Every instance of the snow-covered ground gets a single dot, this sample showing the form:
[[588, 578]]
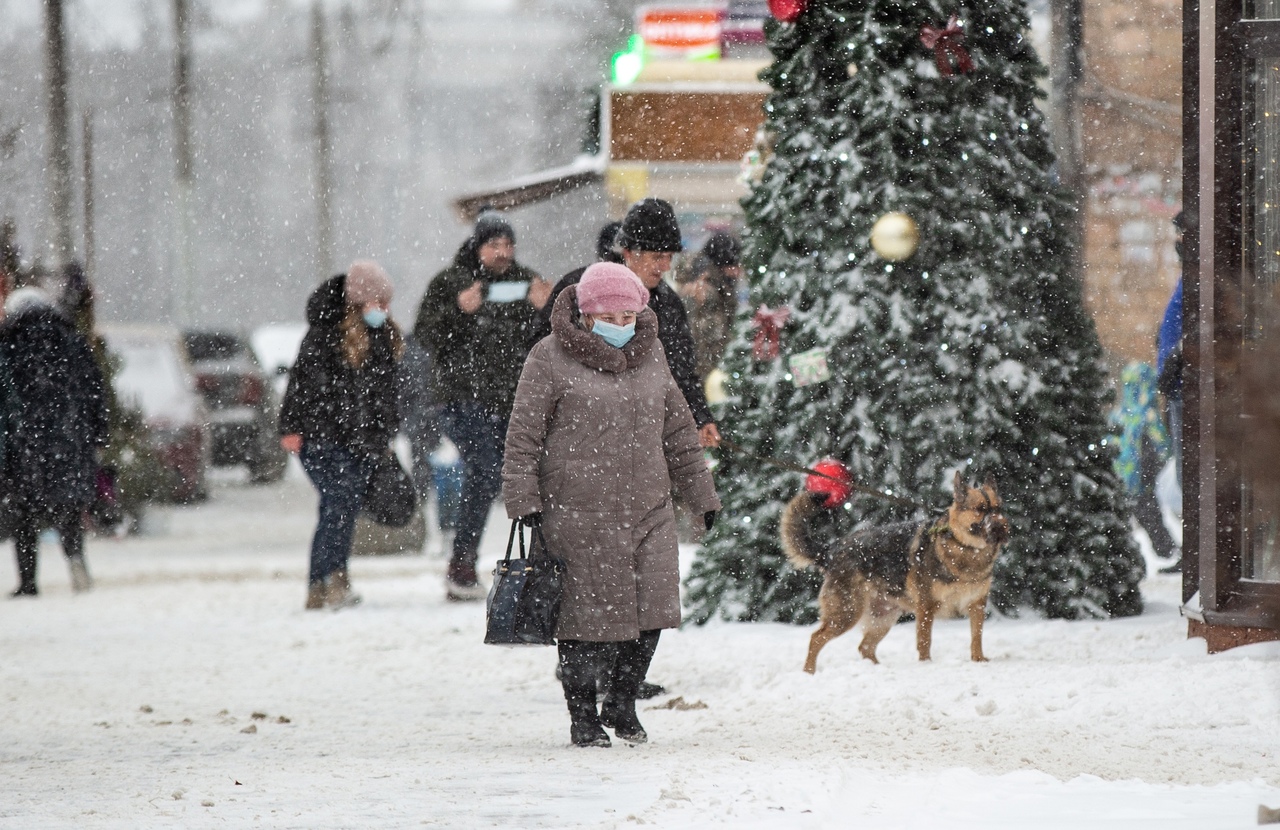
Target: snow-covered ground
[[189, 689]]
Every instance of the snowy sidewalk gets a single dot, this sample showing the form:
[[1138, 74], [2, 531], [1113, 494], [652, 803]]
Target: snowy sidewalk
[[189, 689]]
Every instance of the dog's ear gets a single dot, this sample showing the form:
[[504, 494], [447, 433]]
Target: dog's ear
[[990, 483], [958, 487]]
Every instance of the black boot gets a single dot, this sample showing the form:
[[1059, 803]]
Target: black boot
[[579, 665], [619, 709], [25, 544], [647, 690]]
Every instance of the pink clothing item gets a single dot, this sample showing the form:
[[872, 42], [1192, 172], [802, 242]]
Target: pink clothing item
[[368, 283], [607, 287]]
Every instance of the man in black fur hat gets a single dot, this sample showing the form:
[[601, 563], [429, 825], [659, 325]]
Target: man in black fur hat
[[646, 240], [476, 319]]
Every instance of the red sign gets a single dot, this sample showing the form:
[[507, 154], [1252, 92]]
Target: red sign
[[680, 29]]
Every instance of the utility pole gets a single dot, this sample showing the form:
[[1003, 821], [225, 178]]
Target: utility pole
[[59, 139], [1066, 70], [323, 173], [183, 288], [89, 246]]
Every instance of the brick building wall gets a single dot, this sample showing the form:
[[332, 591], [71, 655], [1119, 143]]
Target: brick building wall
[[1131, 129]]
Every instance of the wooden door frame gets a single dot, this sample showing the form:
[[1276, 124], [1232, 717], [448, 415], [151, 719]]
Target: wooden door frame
[[1217, 42]]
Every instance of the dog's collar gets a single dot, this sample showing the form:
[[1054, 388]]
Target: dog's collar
[[942, 527]]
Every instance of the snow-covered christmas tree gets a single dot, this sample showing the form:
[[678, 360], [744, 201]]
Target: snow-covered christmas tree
[[957, 341]]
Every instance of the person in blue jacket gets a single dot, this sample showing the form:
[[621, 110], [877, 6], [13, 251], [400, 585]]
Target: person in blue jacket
[[1169, 358]]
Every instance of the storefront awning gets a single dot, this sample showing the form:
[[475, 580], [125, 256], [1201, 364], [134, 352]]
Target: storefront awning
[[535, 187]]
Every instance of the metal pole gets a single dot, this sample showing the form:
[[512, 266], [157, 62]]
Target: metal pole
[[323, 160], [59, 140], [89, 246], [1067, 71], [183, 288]]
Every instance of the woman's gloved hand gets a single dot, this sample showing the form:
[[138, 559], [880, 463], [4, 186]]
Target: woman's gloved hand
[[533, 519], [709, 518]]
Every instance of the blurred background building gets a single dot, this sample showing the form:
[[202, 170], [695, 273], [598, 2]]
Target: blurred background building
[[428, 99], [435, 107]]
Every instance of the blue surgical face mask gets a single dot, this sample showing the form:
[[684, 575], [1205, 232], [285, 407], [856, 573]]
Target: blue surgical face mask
[[374, 318], [616, 336]]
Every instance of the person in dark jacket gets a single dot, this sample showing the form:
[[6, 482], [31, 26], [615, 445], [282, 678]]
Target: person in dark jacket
[[607, 250], [341, 411], [58, 425], [647, 238], [476, 318], [711, 298]]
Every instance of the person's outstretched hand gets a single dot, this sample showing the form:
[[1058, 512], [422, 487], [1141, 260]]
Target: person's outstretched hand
[[539, 292], [472, 298]]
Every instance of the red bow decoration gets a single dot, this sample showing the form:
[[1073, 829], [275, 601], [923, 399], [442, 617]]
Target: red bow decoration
[[788, 11], [768, 324], [945, 44]]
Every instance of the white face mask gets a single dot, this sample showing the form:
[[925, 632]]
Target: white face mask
[[616, 336]]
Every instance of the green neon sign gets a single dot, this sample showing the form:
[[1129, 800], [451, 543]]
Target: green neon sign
[[627, 64]]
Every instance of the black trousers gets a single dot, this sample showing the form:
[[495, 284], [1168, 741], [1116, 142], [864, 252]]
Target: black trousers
[[618, 667], [26, 537], [1146, 508]]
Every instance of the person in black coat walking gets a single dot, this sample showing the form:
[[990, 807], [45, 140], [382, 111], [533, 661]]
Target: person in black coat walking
[[340, 413], [646, 239], [58, 423], [476, 319]]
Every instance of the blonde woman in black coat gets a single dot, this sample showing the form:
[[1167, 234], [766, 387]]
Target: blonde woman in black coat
[[340, 413]]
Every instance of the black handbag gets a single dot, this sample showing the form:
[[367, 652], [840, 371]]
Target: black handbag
[[524, 602], [390, 497]]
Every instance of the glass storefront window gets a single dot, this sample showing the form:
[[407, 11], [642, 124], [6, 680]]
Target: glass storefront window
[[1259, 308], [1262, 9]]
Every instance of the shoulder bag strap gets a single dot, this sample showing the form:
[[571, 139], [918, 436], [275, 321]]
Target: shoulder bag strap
[[515, 528], [536, 541]]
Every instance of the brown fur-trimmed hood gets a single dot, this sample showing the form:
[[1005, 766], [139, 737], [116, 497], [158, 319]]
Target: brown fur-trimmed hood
[[589, 349]]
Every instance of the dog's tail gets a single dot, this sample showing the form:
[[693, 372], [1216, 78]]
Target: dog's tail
[[795, 527]]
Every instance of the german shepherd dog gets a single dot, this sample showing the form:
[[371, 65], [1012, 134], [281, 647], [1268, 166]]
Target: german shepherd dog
[[924, 567]]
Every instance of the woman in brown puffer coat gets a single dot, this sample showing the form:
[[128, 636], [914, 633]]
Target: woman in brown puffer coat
[[599, 435]]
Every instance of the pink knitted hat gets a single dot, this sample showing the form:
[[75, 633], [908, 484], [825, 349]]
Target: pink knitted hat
[[367, 283], [608, 287]]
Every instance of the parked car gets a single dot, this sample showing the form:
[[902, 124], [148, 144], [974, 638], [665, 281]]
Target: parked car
[[154, 375], [276, 345], [242, 402]]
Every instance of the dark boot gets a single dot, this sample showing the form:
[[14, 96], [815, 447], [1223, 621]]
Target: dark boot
[[647, 690], [618, 712], [26, 545], [461, 584], [578, 668]]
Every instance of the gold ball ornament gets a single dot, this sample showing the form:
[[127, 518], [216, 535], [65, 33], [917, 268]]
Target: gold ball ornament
[[895, 236]]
